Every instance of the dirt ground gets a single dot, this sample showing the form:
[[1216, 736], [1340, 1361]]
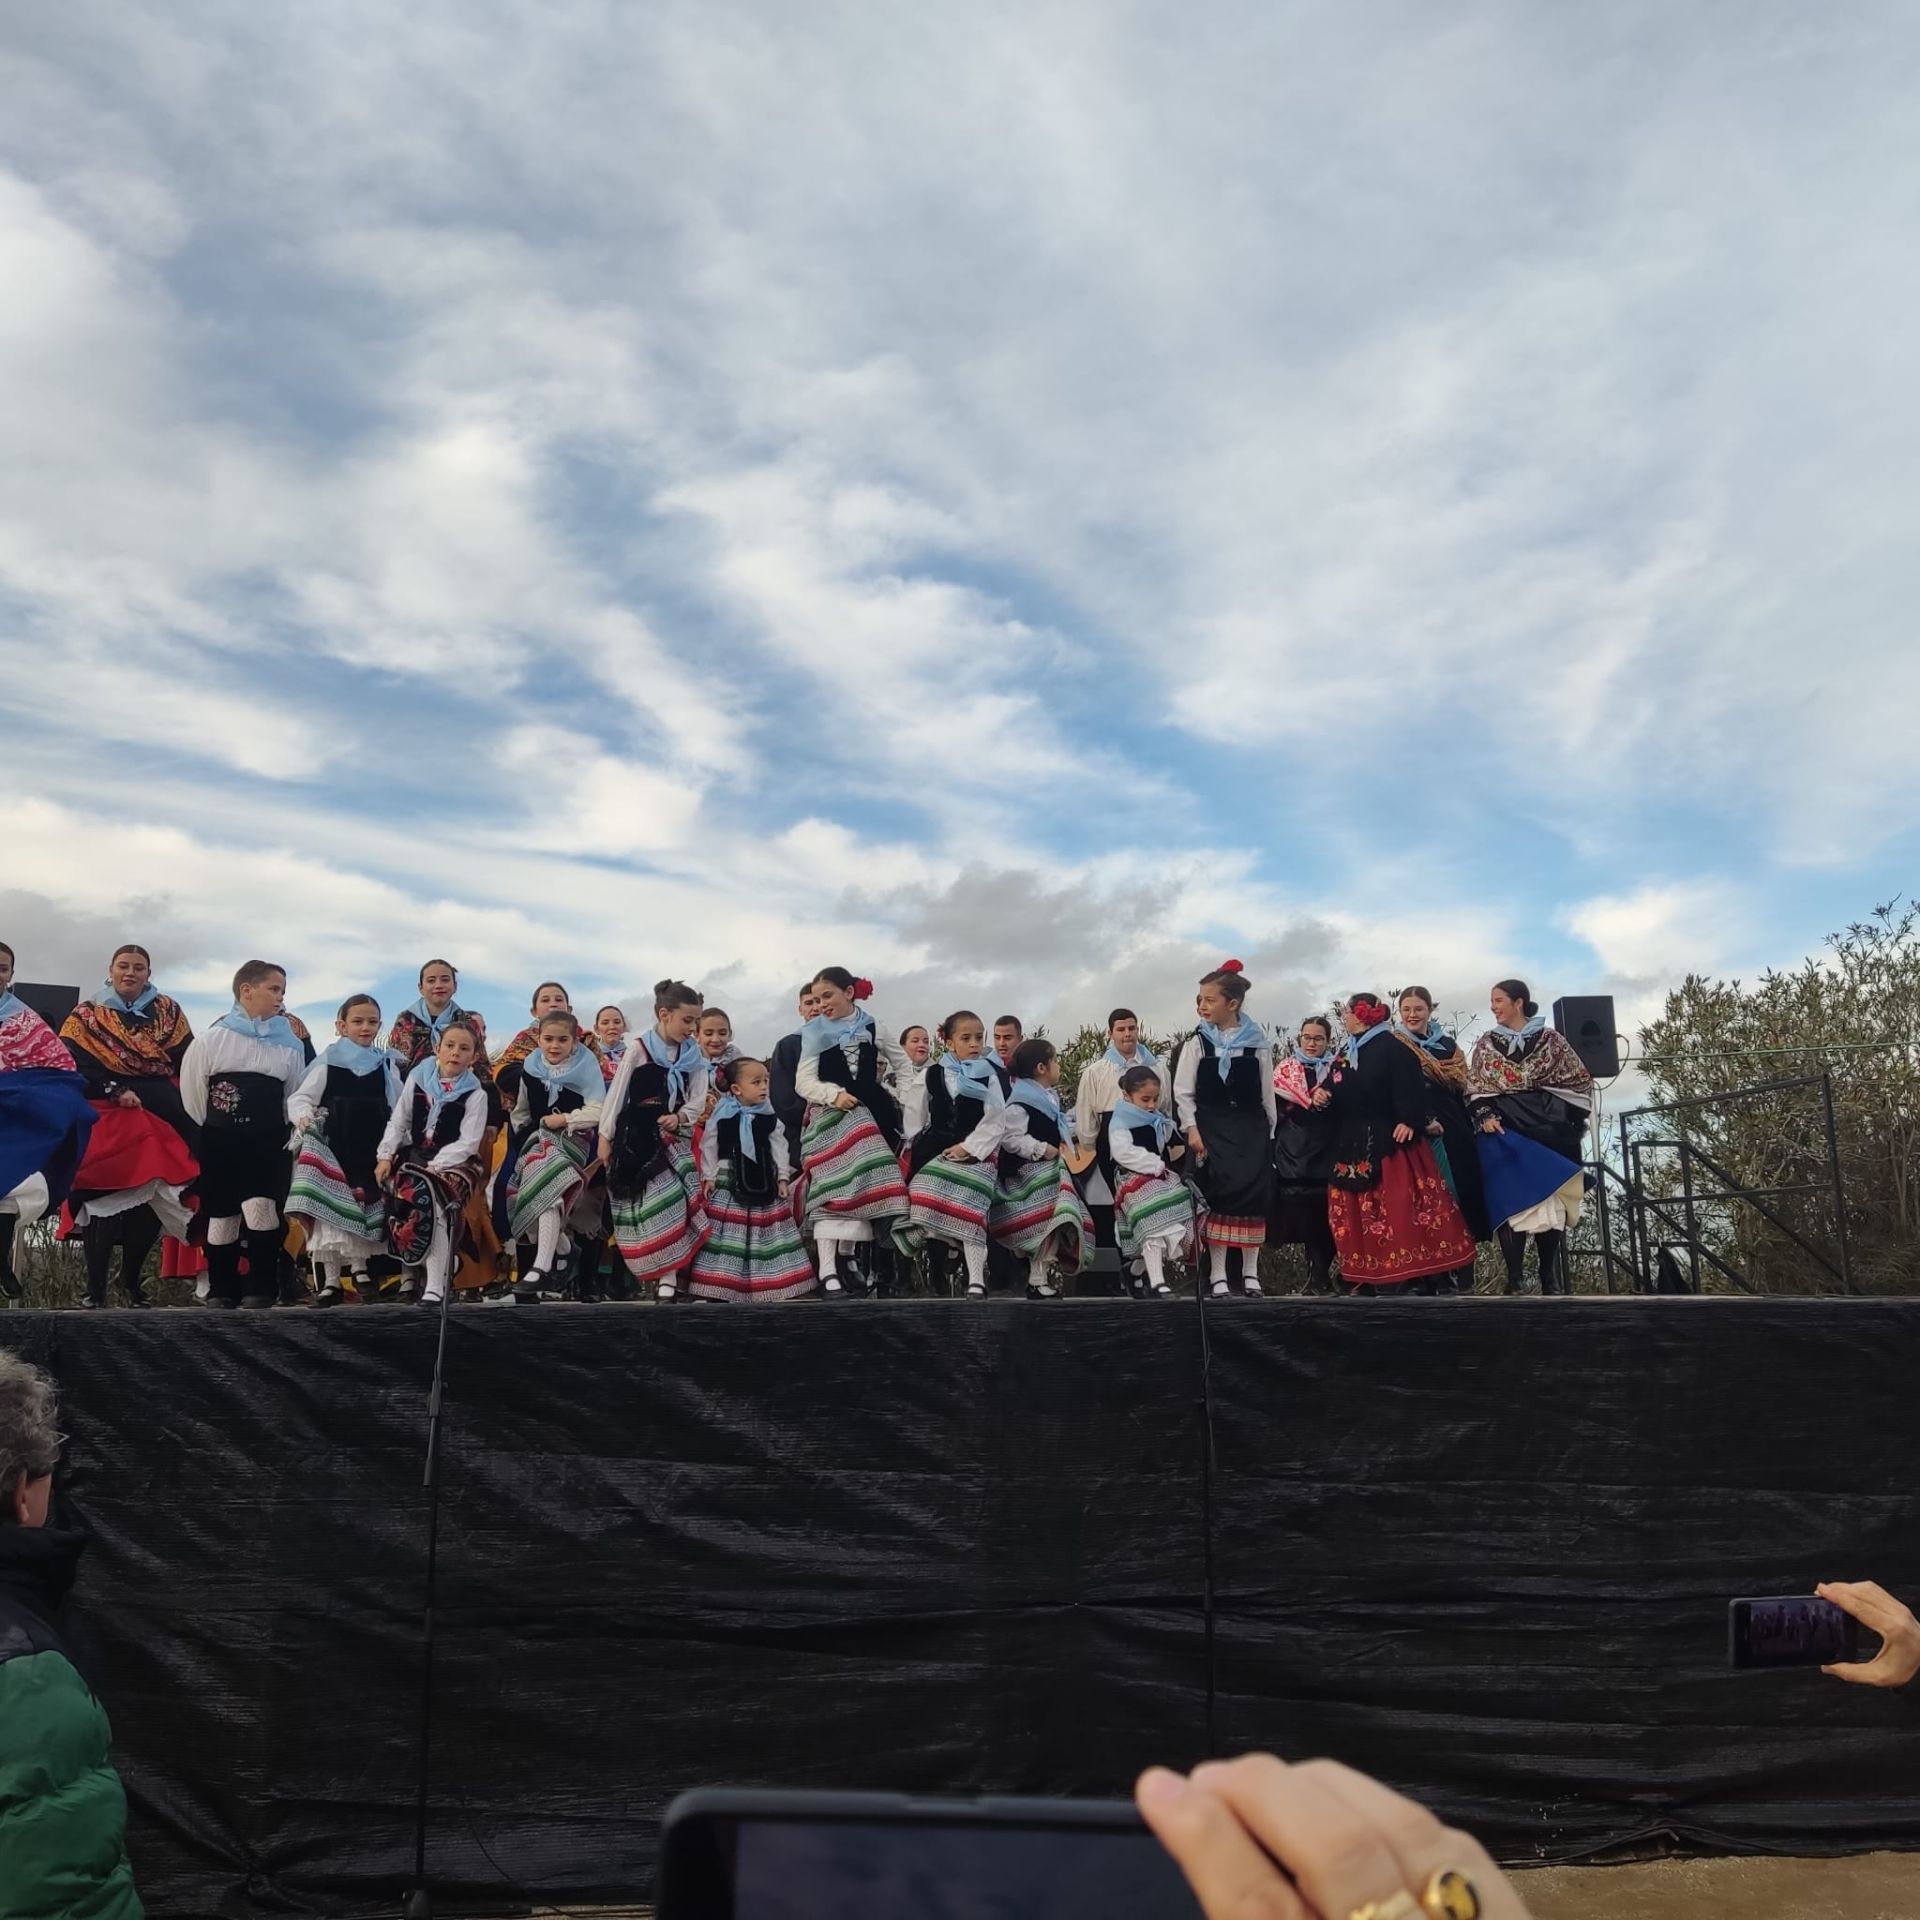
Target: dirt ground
[[1867, 1886]]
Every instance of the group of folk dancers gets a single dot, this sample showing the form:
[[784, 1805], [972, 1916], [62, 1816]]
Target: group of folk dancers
[[404, 1169]]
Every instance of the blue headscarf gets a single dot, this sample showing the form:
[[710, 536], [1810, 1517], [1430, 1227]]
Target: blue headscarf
[[1511, 1041], [11, 1003], [1126, 1114], [436, 1023], [1244, 1038], [109, 997], [821, 1035], [425, 1078], [1141, 1058], [364, 1060], [728, 1107], [276, 1029], [681, 1062], [1038, 1099], [973, 1079], [580, 1071]]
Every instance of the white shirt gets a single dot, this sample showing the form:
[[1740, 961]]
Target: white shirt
[[779, 1149], [892, 1066], [305, 1100], [912, 1095], [1099, 1092], [464, 1145], [984, 1141], [1192, 1053], [584, 1118], [1015, 1137], [220, 1051], [1131, 1156], [693, 1104]]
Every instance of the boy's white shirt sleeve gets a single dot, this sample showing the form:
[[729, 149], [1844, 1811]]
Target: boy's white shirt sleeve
[[194, 1069], [304, 1101], [1183, 1068], [1086, 1111]]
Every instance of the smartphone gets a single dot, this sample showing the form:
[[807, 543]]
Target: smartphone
[[737, 1854], [1790, 1630]]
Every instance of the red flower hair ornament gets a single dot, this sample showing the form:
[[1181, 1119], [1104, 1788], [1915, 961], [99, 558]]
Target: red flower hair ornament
[[863, 989], [1367, 1010], [1230, 966]]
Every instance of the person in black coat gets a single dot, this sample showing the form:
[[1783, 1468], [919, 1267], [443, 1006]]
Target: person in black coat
[[782, 1064], [1303, 1151]]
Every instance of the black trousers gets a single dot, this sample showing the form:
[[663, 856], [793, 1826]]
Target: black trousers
[[136, 1233]]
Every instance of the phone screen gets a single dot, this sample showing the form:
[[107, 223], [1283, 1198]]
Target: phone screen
[[1792, 1631], [801, 1870]]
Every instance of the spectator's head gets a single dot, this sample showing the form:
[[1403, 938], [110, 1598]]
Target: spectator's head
[[29, 1444]]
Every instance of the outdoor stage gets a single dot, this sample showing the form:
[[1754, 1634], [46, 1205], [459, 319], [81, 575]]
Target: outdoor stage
[[1482, 1548]]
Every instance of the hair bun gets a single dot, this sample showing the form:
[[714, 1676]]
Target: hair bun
[[863, 989], [1230, 966]]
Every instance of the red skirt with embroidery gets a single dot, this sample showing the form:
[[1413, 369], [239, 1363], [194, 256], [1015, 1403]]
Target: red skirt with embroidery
[[1405, 1227]]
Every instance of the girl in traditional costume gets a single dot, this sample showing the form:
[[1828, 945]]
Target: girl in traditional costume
[[755, 1251], [610, 1036], [1303, 1150], [341, 1109], [45, 1120], [1223, 1099], [1153, 1206], [1450, 1126], [850, 1146], [128, 1041], [1038, 1213], [548, 997], [235, 1083], [415, 1033], [1530, 1097], [952, 1162], [1096, 1097], [1394, 1219], [646, 1127], [553, 1150], [429, 1165], [917, 1044]]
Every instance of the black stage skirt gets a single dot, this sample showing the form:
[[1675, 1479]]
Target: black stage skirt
[[1236, 1177]]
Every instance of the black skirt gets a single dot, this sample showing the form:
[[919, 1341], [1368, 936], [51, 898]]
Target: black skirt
[[1236, 1177]]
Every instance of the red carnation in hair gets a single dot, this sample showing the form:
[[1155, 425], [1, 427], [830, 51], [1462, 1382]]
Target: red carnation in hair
[[1230, 966], [863, 989]]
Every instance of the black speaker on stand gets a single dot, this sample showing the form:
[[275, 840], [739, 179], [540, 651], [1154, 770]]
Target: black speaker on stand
[[1586, 1020], [52, 1004]]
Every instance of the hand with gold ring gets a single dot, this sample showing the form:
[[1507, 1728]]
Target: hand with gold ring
[[1261, 1840]]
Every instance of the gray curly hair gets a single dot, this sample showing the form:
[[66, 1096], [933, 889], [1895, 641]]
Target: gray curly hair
[[29, 1444]]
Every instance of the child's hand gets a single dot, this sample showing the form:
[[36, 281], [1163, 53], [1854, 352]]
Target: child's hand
[[786, 1189], [381, 1169], [1195, 1145], [1052, 1153], [845, 1101], [669, 1123], [956, 1153], [554, 1122], [606, 1150], [1321, 1097]]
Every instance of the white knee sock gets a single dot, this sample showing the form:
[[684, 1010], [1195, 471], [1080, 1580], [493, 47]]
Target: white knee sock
[[547, 1240], [439, 1260], [1154, 1253], [976, 1256], [326, 1273], [1037, 1270], [1218, 1262]]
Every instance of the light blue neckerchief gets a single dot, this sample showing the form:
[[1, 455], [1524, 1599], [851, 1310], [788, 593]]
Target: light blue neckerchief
[[1038, 1099], [1244, 1038], [435, 1023], [1317, 1064], [1511, 1041], [109, 998], [821, 1035], [363, 1061], [1429, 1042], [1141, 1058], [10, 1004], [425, 1078], [1355, 1041], [1126, 1114], [680, 1063], [973, 1079], [728, 1107], [580, 1071], [276, 1030]]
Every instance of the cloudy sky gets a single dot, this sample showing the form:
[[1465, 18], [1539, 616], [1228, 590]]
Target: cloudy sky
[[1020, 500]]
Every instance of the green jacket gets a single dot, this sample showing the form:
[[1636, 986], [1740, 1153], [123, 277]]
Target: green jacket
[[63, 1813]]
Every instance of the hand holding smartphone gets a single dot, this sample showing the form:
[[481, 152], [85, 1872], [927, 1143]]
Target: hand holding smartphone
[[1790, 1630]]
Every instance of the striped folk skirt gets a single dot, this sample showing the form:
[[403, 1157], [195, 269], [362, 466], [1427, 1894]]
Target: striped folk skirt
[[1038, 1204], [850, 1171], [949, 1200], [550, 1171], [659, 1229], [1151, 1206], [340, 1222], [754, 1251]]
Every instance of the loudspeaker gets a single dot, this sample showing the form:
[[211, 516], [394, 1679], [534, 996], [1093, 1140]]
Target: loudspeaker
[[1587, 1021], [52, 1004]]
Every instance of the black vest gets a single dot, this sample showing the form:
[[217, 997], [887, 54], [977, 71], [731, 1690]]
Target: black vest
[[1147, 1139], [752, 1179], [250, 1104], [446, 1129], [356, 1105], [862, 1080], [1240, 1091], [949, 1121], [1041, 1127]]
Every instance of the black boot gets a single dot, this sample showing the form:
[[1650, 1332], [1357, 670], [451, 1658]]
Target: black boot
[[137, 1242], [223, 1275], [940, 1257], [98, 1238], [9, 1280], [1553, 1262], [1513, 1250], [1319, 1269]]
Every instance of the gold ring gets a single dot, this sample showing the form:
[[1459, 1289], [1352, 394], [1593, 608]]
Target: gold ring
[[1450, 1895], [1400, 1905]]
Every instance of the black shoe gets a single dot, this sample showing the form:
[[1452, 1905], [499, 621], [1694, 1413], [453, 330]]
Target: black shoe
[[330, 1295], [1042, 1290], [10, 1284], [91, 1305], [257, 1302], [218, 1302], [527, 1292]]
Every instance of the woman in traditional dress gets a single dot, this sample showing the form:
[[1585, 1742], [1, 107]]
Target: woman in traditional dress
[[1096, 1096], [45, 1120], [610, 1036], [341, 1109], [548, 997], [850, 1146], [1394, 1219], [755, 1251], [1449, 1126], [1038, 1213], [553, 1152], [951, 1166], [646, 1131], [128, 1041], [430, 1167], [1153, 1206], [1303, 1150], [1223, 1098], [1530, 1098]]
